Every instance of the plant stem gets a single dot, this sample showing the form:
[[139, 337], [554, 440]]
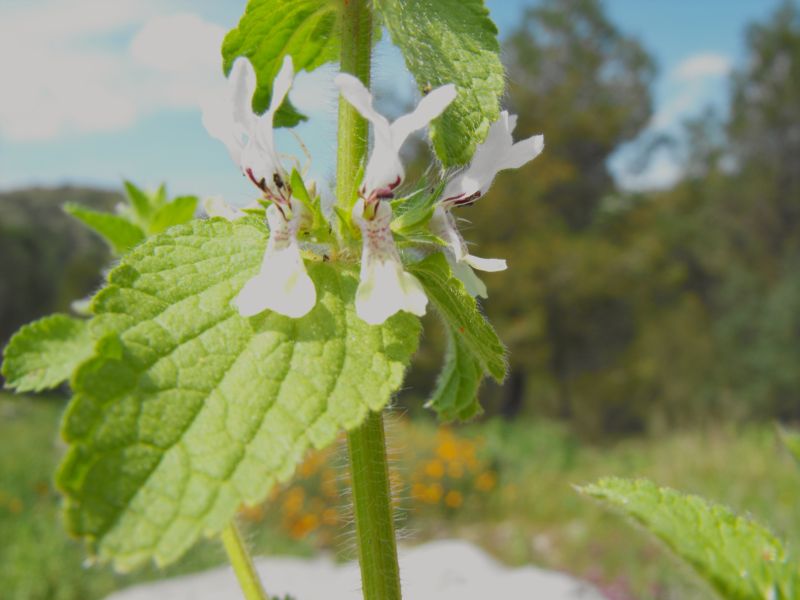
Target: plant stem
[[356, 56], [372, 498], [242, 563], [372, 504]]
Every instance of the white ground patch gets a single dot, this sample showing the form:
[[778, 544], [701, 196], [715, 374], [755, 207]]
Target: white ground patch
[[441, 570]]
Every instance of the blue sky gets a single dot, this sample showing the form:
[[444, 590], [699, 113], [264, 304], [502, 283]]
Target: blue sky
[[96, 91]]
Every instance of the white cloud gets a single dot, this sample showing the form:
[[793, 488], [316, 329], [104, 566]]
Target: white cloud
[[701, 66], [677, 107], [691, 84], [661, 173], [176, 61], [76, 74], [178, 42]]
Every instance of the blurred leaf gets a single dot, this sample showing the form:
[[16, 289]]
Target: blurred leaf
[[451, 41], [741, 559], [43, 354], [308, 30], [791, 441], [460, 312], [142, 204], [120, 233], [188, 410], [160, 197], [456, 393], [179, 210]]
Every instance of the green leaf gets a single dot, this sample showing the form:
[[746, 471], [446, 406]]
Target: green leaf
[[308, 30], [188, 410], [43, 354], [413, 213], [143, 205], [179, 210], [741, 559], [456, 393], [791, 441], [120, 233], [417, 238], [300, 192], [460, 46], [159, 199], [460, 312]]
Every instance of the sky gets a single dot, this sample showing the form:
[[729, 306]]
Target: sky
[[94, 92]]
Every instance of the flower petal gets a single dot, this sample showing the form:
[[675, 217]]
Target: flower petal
[[497, 153], [472, 283], [443, 225], [429, 107], [264, 128], [282, 285], [281, 84], [219, 124], [217, 207], [385, 287], [360, 97], [489, 265], [384, 167], [461, 261], [523, 152], [242, 83]]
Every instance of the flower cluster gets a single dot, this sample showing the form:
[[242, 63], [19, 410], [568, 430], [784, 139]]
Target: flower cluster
[[441, 473], [283, 284], [452, 475]]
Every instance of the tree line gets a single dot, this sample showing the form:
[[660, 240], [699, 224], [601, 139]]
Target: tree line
[[623, 312]]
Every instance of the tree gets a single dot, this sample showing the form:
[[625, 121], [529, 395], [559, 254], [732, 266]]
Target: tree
[[561, 307]]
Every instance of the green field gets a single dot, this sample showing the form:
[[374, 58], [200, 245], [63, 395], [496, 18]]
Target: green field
[[508, 487]]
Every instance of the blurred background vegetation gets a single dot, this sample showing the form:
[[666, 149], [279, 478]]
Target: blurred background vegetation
[[631, 312], [653, 333]]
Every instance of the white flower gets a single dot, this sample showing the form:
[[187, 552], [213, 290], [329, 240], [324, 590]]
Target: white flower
[[384, 171], [497, 153], [282, 285], [385, 287], [249, 137], [443, 225]]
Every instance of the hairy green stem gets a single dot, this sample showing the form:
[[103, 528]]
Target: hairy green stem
[[355, 59], [242, 563], [372, 504], [372, 498]]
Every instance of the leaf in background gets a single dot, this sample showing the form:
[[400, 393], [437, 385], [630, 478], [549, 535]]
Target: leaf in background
[[120, 233], [460, 312], [143, 205], [43, 354], [159, 199], [189, 410], [456, 393], [176, 212], [451, 41], [308, 30], [791, 441], [741, 559]]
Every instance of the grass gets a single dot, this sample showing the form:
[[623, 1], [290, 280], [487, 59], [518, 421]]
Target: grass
[[506, 486]]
